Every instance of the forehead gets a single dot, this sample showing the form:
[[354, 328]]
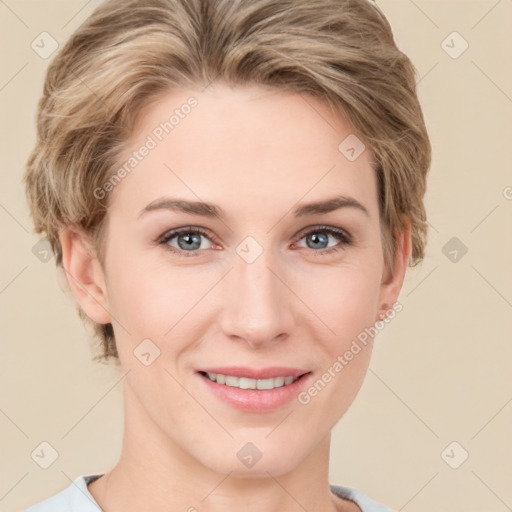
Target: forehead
[[240, 147]]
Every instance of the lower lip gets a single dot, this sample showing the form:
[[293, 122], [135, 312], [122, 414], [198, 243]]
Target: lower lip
[[252, 400]]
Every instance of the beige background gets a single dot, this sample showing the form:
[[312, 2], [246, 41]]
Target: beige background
[[440, 371]]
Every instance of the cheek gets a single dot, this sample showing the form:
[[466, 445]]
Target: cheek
[[345, 300], [350, 350], [154, 300], [348, 309]]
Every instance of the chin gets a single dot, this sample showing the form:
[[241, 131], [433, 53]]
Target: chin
[[276, 466], [255, 459]]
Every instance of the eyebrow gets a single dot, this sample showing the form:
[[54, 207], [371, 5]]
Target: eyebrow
[[212, 210]]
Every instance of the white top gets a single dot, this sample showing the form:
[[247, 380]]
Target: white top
[[77, 498]]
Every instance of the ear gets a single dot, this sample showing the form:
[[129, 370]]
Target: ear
[[84, 273], [392, 279]]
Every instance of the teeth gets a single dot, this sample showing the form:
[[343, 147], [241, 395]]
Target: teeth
[[247, 383], [232, 381], [244, 383], [265, 384]]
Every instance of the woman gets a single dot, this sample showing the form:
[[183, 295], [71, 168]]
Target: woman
[[234, 191]]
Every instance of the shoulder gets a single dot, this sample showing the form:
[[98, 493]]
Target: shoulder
[[364, 502], [74, 498]]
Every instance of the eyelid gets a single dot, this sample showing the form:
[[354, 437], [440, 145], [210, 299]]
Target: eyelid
[[171, 233], [341, 233]]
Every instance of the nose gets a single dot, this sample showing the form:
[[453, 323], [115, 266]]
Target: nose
[[256, 303]]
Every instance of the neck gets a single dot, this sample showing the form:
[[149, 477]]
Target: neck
[[155, 473]]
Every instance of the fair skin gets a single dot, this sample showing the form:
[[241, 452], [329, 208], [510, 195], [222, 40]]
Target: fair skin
[[257, 154]]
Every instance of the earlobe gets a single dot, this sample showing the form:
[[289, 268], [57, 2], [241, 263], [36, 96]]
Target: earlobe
[[84, 273], [393, 281]]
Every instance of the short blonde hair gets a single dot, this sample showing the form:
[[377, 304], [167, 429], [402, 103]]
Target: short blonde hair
[[129, 53]]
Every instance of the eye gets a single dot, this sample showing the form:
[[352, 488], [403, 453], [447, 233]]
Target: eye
[[188, 240], [318, 238]]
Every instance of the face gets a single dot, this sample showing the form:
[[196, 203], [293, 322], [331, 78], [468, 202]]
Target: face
[[262, 283]]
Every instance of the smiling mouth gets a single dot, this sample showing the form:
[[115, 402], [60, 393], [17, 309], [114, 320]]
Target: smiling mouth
[[253, 384]]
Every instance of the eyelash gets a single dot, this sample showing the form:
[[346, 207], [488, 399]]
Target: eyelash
[[344, 237]]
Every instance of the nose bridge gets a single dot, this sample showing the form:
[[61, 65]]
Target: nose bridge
[[257, 304]]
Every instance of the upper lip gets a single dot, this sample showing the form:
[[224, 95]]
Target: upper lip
[[256, 373]]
